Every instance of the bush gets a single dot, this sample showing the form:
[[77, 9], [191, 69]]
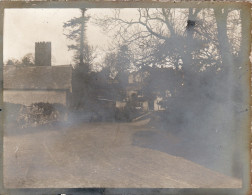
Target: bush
[[40, 114]]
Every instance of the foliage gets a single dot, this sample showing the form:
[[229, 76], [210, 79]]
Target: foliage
[[84, 58], [75, 31], [166, 41], [40, 114], [12, 62], [26, 60], [161, 36]]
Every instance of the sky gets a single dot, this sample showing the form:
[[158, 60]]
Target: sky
[[24, 27]]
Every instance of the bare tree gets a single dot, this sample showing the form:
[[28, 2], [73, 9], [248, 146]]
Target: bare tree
[[189, 52], [12, 61], [162, 36], [27, 60]]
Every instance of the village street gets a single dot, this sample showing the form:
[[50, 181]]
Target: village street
[[100, 155]]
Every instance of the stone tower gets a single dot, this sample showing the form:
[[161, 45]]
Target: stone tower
[[43, 53]]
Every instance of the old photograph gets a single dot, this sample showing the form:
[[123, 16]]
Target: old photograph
[[126, 97]]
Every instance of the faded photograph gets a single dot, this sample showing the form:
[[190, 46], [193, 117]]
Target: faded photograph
[[125, 98]]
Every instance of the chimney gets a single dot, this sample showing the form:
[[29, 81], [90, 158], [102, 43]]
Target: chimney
[[43, 53]]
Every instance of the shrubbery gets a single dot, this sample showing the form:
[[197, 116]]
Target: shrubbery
[[40, 114]]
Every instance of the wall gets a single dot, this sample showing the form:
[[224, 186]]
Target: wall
[[43, 53], [120, 104], [145, 106], [156, 105], [27, 97]]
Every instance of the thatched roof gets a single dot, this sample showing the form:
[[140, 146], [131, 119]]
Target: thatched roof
[[37, 77]]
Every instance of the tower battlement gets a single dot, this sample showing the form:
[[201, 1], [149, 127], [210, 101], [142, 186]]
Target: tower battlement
[[43, 53]]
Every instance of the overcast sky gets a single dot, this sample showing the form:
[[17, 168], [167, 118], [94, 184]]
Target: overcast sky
[[24, 27]]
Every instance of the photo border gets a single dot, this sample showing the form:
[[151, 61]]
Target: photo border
[[119, 4]]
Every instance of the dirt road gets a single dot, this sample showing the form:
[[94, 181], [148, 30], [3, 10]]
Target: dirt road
[[99, 155]]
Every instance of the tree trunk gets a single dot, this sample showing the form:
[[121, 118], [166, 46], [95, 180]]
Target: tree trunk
[[82, 36]]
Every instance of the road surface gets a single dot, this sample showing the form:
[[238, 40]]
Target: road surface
[[99, 155]]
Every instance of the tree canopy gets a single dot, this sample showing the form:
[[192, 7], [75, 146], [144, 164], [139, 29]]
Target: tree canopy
[[75, 31]]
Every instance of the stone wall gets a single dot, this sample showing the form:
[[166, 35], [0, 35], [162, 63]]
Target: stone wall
[[43, 53]]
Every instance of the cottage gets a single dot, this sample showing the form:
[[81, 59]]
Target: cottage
[[134, 90], [32, 84], [38, 83]]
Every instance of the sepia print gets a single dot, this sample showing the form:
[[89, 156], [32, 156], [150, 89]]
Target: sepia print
[[151, 97]]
